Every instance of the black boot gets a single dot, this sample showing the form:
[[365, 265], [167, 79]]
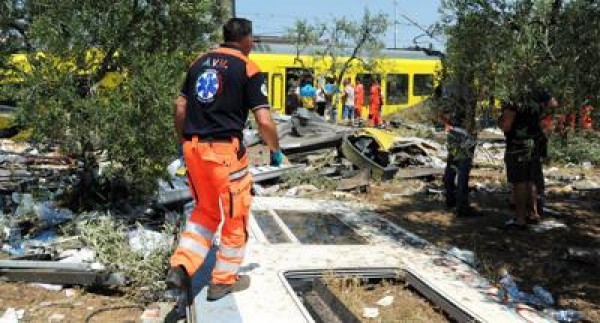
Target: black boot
[[178, 283], [218, 291]]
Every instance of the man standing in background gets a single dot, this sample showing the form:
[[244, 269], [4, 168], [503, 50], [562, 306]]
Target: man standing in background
[[359, 99], [348, 101], [376, 103]]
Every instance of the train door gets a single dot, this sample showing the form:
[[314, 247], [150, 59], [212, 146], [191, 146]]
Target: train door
[[295, 77], [367, 81]]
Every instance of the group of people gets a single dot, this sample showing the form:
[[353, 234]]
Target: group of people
[[322, 100], [526, 146]]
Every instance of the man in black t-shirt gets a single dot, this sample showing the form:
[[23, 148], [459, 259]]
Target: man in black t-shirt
[[221, 88], [525, 147]]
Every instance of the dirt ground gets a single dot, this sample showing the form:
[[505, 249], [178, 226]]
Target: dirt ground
[[40, 304], [532, 258], [414, 308]]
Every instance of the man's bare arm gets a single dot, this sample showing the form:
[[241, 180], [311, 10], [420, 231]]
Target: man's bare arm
[[267, 128], [179, 113], [507, 120]]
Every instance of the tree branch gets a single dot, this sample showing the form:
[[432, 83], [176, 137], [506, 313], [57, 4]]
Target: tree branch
[[103, 68]]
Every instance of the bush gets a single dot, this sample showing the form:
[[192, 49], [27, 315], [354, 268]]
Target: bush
[[574, 149], [145, 48]]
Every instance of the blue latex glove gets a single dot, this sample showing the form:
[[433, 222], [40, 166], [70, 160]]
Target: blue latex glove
[[276, 158], [180, 149]]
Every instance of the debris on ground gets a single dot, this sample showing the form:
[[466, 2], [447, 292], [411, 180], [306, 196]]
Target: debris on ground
[[509, 293], [359, 182], [584, 255], [12, 315], [370, 312], [113, 249], [147, 241], [466, 256], [386, 301], [565, 316], [384, 153], [547, 225], [22, 167], [306, 132], [301, 190]]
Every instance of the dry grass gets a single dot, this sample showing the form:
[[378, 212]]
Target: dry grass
[[145, 274], [296, 178], [408, 306]]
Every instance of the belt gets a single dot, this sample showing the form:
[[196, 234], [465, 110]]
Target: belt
[[210, 139]]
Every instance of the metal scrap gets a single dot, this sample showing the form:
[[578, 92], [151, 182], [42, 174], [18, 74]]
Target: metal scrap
[[385, 153]]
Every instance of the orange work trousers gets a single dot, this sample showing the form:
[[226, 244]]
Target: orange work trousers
[[221, 186], [374, 116]]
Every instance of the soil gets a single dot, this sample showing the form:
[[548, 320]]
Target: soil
[[40, 304], [532, 258], [407, 305]]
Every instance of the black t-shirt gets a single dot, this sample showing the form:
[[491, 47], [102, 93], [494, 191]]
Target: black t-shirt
[[221, 87], [526, 128]]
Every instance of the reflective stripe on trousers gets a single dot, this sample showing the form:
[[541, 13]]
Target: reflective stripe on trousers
[[222, 183]]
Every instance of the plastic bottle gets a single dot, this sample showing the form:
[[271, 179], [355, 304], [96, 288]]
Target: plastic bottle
[[543, 295], [508, 291], [565, 316]]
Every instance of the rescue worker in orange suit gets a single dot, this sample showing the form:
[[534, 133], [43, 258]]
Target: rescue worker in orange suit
[[221, 88], [376, 102], [359, 99]]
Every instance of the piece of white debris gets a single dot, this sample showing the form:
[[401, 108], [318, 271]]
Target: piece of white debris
[[386, 301], [56, 317], [548, 225], [51, 287], [370, 312], [12, 315], [70, 292]]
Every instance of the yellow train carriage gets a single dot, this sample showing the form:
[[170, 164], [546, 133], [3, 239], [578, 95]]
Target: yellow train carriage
[[406, 77], [19, 64]]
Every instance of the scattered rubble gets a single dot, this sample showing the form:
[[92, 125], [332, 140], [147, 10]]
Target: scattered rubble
[[386, 301], [301, 190], [328, 159], [584, 255], [385, 153], [12, 315], [370, 312], [549, 224]]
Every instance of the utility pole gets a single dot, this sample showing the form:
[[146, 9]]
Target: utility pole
[[395, 23], [233, 8]]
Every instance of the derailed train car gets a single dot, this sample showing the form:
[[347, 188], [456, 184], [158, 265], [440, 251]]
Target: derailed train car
[[407, 77]]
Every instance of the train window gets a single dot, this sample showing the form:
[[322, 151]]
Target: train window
[[423, 84], [367, 81], [397, 89]]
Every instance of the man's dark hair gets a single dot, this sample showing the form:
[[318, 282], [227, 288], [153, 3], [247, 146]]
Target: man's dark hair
[[236, 29], [542, 96]]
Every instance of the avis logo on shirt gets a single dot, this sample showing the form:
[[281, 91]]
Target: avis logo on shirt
[[208, 86]]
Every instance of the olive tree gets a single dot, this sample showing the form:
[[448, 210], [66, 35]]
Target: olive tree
[[341, 42], [124, 124]]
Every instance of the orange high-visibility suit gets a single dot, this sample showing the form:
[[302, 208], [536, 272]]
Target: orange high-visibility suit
[[359, 99], [375, 108], [585, 117], [221, 88]]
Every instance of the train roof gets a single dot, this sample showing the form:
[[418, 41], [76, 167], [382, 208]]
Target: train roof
[[289, 49]]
